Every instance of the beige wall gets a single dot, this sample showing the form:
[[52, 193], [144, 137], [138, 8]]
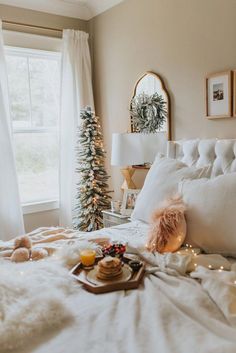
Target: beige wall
[[41, 219], [182, 40], [37, 18]]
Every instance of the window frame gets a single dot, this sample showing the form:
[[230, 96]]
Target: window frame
[[44, 205]]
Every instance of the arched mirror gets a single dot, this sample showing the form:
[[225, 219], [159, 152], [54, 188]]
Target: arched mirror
[[150, 106]]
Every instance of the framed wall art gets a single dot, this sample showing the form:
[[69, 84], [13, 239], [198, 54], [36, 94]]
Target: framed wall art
[[219, 95]]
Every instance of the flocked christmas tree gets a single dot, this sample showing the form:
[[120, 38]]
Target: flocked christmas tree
[[92, 196]]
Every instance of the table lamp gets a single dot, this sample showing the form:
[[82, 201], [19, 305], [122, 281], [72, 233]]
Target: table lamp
[[132, 149]]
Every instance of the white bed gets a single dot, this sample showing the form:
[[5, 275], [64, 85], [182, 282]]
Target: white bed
[[169, 313], [219, 153]]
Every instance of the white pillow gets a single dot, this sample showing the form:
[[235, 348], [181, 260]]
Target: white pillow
[[161, 183], [210, 215]]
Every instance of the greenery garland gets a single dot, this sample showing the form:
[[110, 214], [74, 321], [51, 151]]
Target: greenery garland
[[148, 112]]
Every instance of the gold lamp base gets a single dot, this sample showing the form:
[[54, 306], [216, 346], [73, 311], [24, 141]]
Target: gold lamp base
[[128, 182]]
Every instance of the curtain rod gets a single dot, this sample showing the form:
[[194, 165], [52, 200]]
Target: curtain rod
[[31, 26]]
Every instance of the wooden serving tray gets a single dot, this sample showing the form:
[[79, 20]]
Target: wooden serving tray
[[80, 275]]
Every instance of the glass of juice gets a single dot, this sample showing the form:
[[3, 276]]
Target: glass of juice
[[87, 258]]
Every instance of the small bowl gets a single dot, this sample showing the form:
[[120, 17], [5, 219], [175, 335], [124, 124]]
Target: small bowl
[[135, 265]]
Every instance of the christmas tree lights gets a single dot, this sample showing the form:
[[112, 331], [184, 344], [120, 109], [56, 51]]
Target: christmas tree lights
[[92, 196]]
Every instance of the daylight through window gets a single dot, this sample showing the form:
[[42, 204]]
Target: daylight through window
[[34, 90]]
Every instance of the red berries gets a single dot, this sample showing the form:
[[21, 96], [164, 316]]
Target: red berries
[[115, 250]]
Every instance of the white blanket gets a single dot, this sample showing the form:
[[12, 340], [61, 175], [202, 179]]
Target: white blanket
[[32, 301], [221, 288], [169, 313]]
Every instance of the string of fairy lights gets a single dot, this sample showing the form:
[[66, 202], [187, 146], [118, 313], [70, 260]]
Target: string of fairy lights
[[188, 249]]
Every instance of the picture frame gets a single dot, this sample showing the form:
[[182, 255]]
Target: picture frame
[[218, 91], [129, 200]]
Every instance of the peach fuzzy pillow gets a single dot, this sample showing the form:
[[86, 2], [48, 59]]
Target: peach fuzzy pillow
[[167, 227]]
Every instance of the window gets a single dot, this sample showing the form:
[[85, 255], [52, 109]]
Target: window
[[34, 91]]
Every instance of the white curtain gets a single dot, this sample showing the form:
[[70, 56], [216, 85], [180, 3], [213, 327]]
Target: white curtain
[[76, 94], [11, 219]]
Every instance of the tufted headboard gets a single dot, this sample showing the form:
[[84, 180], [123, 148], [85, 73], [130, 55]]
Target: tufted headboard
[[221, 154]]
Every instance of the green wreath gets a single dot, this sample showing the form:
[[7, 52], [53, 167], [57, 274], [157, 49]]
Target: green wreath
[[148, 113]]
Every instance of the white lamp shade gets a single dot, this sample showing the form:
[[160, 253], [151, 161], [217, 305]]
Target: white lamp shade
[[136, 148]]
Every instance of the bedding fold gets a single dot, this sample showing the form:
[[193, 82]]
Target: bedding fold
[[221, 288]]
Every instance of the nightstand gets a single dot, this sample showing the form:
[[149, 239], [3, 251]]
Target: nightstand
[[111, 219]]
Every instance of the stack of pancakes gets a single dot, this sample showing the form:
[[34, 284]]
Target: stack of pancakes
[[109, 268]]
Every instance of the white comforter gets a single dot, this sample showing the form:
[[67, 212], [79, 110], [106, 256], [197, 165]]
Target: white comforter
[[169, 313]]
